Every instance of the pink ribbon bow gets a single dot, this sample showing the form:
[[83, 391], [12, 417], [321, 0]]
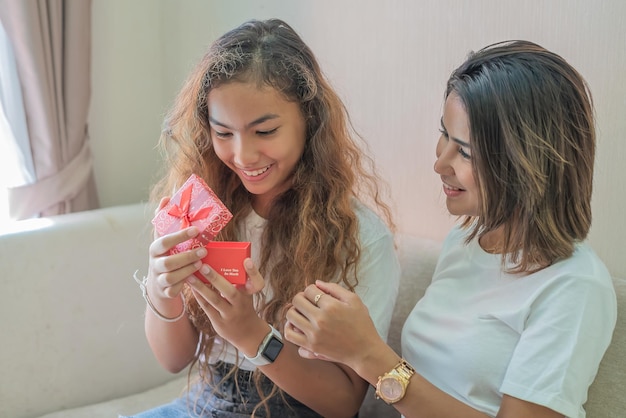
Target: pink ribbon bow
[[182, 210]]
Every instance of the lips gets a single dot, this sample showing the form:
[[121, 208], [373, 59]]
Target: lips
[[451, 188], [451, 191], [255, 173]]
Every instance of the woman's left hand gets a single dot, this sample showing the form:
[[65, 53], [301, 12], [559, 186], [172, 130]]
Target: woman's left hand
[[329, 322], [231, 310]]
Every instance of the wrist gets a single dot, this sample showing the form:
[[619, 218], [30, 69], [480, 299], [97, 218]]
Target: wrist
[[254, 339], [378, 358], [269, 348], [161, 300], [143, 285], [391, 386]]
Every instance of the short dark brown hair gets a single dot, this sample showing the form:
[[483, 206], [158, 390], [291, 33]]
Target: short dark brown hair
[[533, 138]]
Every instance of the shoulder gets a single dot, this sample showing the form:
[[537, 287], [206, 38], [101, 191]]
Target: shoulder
[[372, 228], [455, 238], [457, 233], [583, 262], [584, 268], [580, 283]]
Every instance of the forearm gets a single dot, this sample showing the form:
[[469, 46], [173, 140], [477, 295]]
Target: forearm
[[173, 343], [323, 386], [329, 389], [422, 399]]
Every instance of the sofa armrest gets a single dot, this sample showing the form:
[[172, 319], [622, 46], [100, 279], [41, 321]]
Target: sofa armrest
[[72, 315], [606, 394]]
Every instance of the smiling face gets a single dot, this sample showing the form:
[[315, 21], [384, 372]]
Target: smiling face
[[454, 163], [258, 134]]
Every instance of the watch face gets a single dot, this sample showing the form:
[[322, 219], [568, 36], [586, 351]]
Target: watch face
[[391, 389], [273, 347]]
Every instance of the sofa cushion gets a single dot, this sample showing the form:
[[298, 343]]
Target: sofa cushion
[[418, 257], [128, 405], [73, 312], [606, 394]]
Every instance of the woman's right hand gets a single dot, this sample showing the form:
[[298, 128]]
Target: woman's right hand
[[167, 272], [173, 342]]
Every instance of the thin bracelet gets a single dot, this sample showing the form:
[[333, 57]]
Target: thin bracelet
[[144, 291]]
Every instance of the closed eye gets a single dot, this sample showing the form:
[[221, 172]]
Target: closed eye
[[461, 150], [464, 154], [267, 133], [222, 135]]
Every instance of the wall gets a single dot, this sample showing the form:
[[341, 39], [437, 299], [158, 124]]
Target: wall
[[128, 97], [389, 61]]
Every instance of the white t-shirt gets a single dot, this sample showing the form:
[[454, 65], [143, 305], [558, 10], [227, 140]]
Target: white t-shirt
[[479, 333], [378, 274]]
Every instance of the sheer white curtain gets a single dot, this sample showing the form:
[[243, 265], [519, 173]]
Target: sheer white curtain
[[16, 163]]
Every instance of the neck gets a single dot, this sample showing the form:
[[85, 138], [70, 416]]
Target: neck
[[261, 205], [492, 241]]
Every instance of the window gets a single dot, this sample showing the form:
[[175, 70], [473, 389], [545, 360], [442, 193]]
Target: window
[[16, 165]]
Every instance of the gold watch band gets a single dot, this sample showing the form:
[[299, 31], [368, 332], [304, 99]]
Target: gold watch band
[[404, 369], [391, 386]]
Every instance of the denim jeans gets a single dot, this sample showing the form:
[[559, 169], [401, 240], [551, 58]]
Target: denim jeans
[[225, 401]]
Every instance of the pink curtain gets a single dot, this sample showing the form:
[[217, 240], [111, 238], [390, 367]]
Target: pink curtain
[[52, 45]]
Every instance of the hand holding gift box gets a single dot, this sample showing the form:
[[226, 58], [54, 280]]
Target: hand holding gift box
[[196, 204], [193, 204], [226, 258]]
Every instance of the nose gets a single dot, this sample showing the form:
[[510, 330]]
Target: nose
[[246, 153], [444, 153]]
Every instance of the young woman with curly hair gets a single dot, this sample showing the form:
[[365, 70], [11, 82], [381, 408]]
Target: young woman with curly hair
[[260, 124]]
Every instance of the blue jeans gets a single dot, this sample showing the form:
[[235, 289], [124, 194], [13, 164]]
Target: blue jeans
[[224, 401]]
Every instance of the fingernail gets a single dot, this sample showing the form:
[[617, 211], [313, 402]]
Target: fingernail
[[192, 232], [205, 269], [197, 264], [192, 280], [201, 252]]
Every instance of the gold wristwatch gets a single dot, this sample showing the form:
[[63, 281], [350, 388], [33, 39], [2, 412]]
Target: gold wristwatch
[[391, 386]]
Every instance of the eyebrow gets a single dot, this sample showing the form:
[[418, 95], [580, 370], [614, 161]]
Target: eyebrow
[[457, 140], [257, 121]]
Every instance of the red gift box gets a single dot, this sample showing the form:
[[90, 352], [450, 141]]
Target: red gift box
[[226, 258], [193, 204]]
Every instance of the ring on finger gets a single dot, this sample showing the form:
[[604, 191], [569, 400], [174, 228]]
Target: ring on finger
[[317, 299]]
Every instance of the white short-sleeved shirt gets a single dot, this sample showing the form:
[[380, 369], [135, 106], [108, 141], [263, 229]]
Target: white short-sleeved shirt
[[378, 274], [479, 333]]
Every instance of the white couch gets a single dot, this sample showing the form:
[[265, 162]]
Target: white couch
[[71, 320]]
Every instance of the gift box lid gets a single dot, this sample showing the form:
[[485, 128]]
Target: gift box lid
[[193, 204]]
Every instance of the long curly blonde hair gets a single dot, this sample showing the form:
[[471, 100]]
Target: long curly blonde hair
[[313, 224]]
